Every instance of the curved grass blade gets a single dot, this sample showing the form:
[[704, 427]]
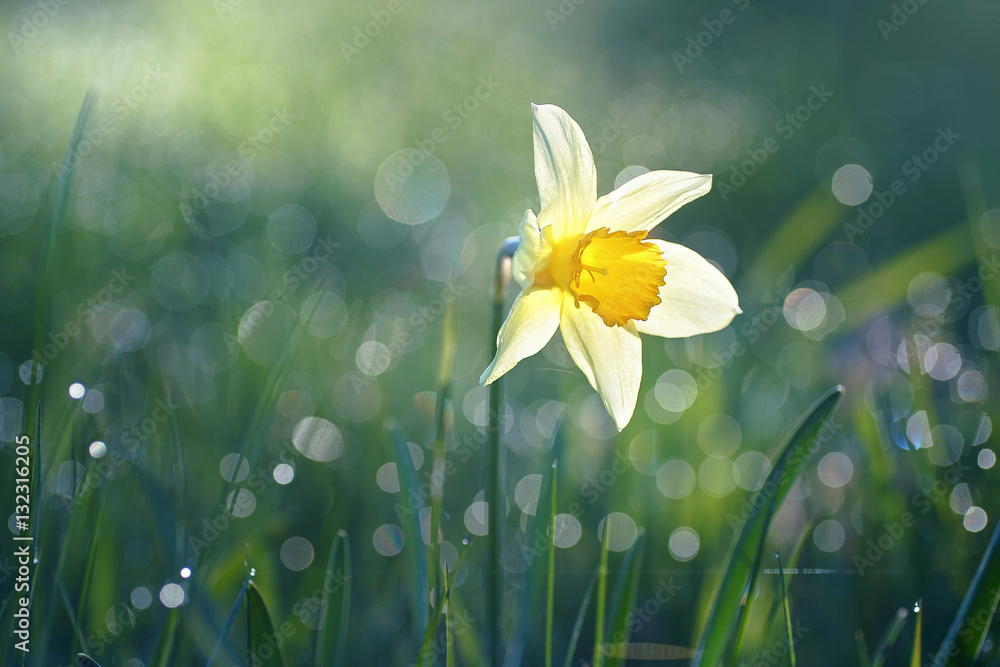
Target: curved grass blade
[[229, 621], [329, 652], [619, 630], [47, 252], [744, 558], [46, 271], [92, 557], [84, 660], [981, 597], [259, 628], [889, 637], [578, 625], [772, 613]]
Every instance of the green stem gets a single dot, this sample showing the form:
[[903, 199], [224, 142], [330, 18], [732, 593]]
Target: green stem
[[496, 500], [550, 599], [444, 373], [602, 595]]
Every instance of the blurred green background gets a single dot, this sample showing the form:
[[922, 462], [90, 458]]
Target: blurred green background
[[252, 170]]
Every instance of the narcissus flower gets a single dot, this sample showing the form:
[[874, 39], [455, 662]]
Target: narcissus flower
[[585, 266]]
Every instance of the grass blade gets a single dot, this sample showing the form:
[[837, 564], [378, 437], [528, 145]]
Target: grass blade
[[448, 633], [259, 628], [426, 655], [862, 646], [578, 625], [917, 632], [889, 637], [229, 621], [619, 630], [550, 577], [410, 520], [331, 653], [788, 615], [746, 552], [531, 598], [91, 558], [83, 660], [446, 364], [163, 655], [982, 596], [602, 594]]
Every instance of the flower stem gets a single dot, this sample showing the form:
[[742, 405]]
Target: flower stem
[[496, 502]]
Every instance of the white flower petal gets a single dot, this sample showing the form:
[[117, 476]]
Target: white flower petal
[[610, 357], [564, 170], [532, 253], [533, 318], [643, 202], [695, 299]]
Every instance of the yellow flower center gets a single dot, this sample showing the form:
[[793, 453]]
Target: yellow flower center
[[615, 273]]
